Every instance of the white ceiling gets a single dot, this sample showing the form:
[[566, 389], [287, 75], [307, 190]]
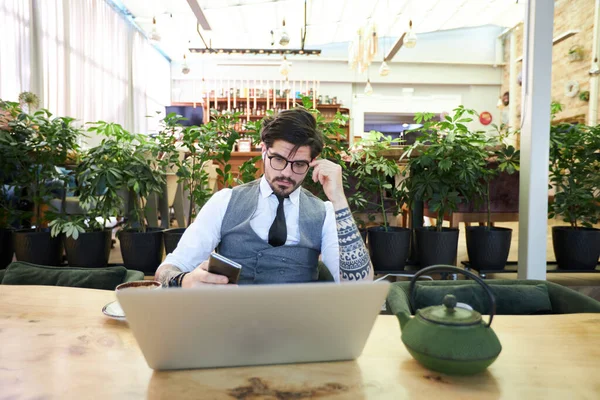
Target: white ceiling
[[247, 23]]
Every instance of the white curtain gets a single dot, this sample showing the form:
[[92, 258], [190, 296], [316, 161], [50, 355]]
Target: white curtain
[[150, 95], [15, 55], [86, 62]]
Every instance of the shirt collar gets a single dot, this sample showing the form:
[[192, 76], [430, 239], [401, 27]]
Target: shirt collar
[[266, 191]]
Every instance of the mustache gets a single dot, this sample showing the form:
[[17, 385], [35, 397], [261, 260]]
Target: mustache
[[283, 179]]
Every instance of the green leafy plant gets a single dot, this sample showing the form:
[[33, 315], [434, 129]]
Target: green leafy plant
[[40, 143], [502, 158], [375, 173], [12, 160], [223, 126], [574, 172], [248, 170], [123, 162], [200, 144], [445, 164]]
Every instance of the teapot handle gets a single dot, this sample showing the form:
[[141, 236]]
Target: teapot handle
[[449, 268]]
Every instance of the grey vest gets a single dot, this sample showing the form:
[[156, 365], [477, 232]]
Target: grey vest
[[261, 262]]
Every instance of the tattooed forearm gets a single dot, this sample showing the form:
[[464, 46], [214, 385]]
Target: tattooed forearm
[[355, 263], [165, 273]]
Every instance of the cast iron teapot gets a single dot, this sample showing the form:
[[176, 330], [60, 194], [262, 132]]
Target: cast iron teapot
[[450, 339]]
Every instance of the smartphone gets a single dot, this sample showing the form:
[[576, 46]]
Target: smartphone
[[217, 264]]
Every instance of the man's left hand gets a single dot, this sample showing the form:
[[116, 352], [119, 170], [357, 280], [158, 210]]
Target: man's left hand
[[329, 175]]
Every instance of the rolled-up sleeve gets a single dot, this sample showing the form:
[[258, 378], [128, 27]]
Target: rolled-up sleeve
[[330, 248], [202, 236]]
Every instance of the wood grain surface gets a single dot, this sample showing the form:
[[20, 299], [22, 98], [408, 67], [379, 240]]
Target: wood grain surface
[[55, 343]]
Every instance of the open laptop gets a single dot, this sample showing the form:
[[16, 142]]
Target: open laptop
[[223, 326]]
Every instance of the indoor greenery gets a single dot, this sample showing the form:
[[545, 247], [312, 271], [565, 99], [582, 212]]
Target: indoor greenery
[[11, 161], [375, 174], [444, 164], [507, 160], [574, 173], [336, 150], [40, 143]]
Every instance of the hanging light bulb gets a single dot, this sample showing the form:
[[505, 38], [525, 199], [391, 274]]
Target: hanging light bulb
[[410, 40], [284, 40], [185, 69], [284, 68], [154, 35], [384, 70], [368, 88]]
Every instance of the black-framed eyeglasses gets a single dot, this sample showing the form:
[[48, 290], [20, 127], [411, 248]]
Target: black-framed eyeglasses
[[279, 163]]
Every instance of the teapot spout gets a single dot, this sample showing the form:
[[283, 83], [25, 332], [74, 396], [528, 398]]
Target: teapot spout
[[403, 317]]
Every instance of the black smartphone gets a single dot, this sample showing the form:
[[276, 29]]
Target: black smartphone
[[217, 264]]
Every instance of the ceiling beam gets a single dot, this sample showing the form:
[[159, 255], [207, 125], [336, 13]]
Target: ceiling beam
[[199, 14], [395, 48]]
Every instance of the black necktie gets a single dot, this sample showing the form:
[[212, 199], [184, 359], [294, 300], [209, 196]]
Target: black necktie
[[278, 230]]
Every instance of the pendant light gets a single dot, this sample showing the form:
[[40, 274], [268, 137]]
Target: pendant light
[[284, 40], [154, 35], [384, 70], [368, 88], [284, 68], [410, 40], [185, 69]]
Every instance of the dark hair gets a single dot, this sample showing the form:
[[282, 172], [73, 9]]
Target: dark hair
[[296, 126]]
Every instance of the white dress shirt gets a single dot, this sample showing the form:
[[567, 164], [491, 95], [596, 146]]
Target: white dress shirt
[[204, 234]]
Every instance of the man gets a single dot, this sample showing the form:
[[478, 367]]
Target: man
[[272, 226]]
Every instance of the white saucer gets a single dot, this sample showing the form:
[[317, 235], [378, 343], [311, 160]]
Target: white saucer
[[114, 310]]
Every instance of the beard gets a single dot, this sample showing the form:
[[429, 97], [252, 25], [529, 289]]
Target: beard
[[289, 185]]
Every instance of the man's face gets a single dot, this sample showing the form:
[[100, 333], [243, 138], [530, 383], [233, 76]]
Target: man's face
[[505, 99], [285, 181]]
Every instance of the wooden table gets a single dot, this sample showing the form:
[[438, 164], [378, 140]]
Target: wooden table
[[56, 343]]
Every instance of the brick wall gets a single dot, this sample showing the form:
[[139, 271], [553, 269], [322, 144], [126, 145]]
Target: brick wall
[[568, 15]]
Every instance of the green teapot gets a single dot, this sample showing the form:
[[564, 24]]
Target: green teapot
[[450, 339]]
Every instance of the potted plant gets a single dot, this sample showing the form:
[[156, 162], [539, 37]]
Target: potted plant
[[100, 181], [44, 143], [200, 144], [126, 158], [168, 158], [574, 166], [488, 246], [375, 173], [11, 158], [443, 170]]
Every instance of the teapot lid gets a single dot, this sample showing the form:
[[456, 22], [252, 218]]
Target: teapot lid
[[449, 314]]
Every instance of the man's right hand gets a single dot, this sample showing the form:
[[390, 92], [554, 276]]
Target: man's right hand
[[201, 276]]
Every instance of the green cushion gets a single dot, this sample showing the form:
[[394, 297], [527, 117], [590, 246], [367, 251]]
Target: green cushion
[[133, 275], [563, 300], [510, 300], [22, 273]]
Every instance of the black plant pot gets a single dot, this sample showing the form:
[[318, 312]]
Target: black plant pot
[[435, 247], [142, 251], [389, 250], [171, 238], [38, 247], [488, 248], [6, 247], [91, 249], [576, 249]]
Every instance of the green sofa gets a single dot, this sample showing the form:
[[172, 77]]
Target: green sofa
[[513, 297], [22, 273]]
